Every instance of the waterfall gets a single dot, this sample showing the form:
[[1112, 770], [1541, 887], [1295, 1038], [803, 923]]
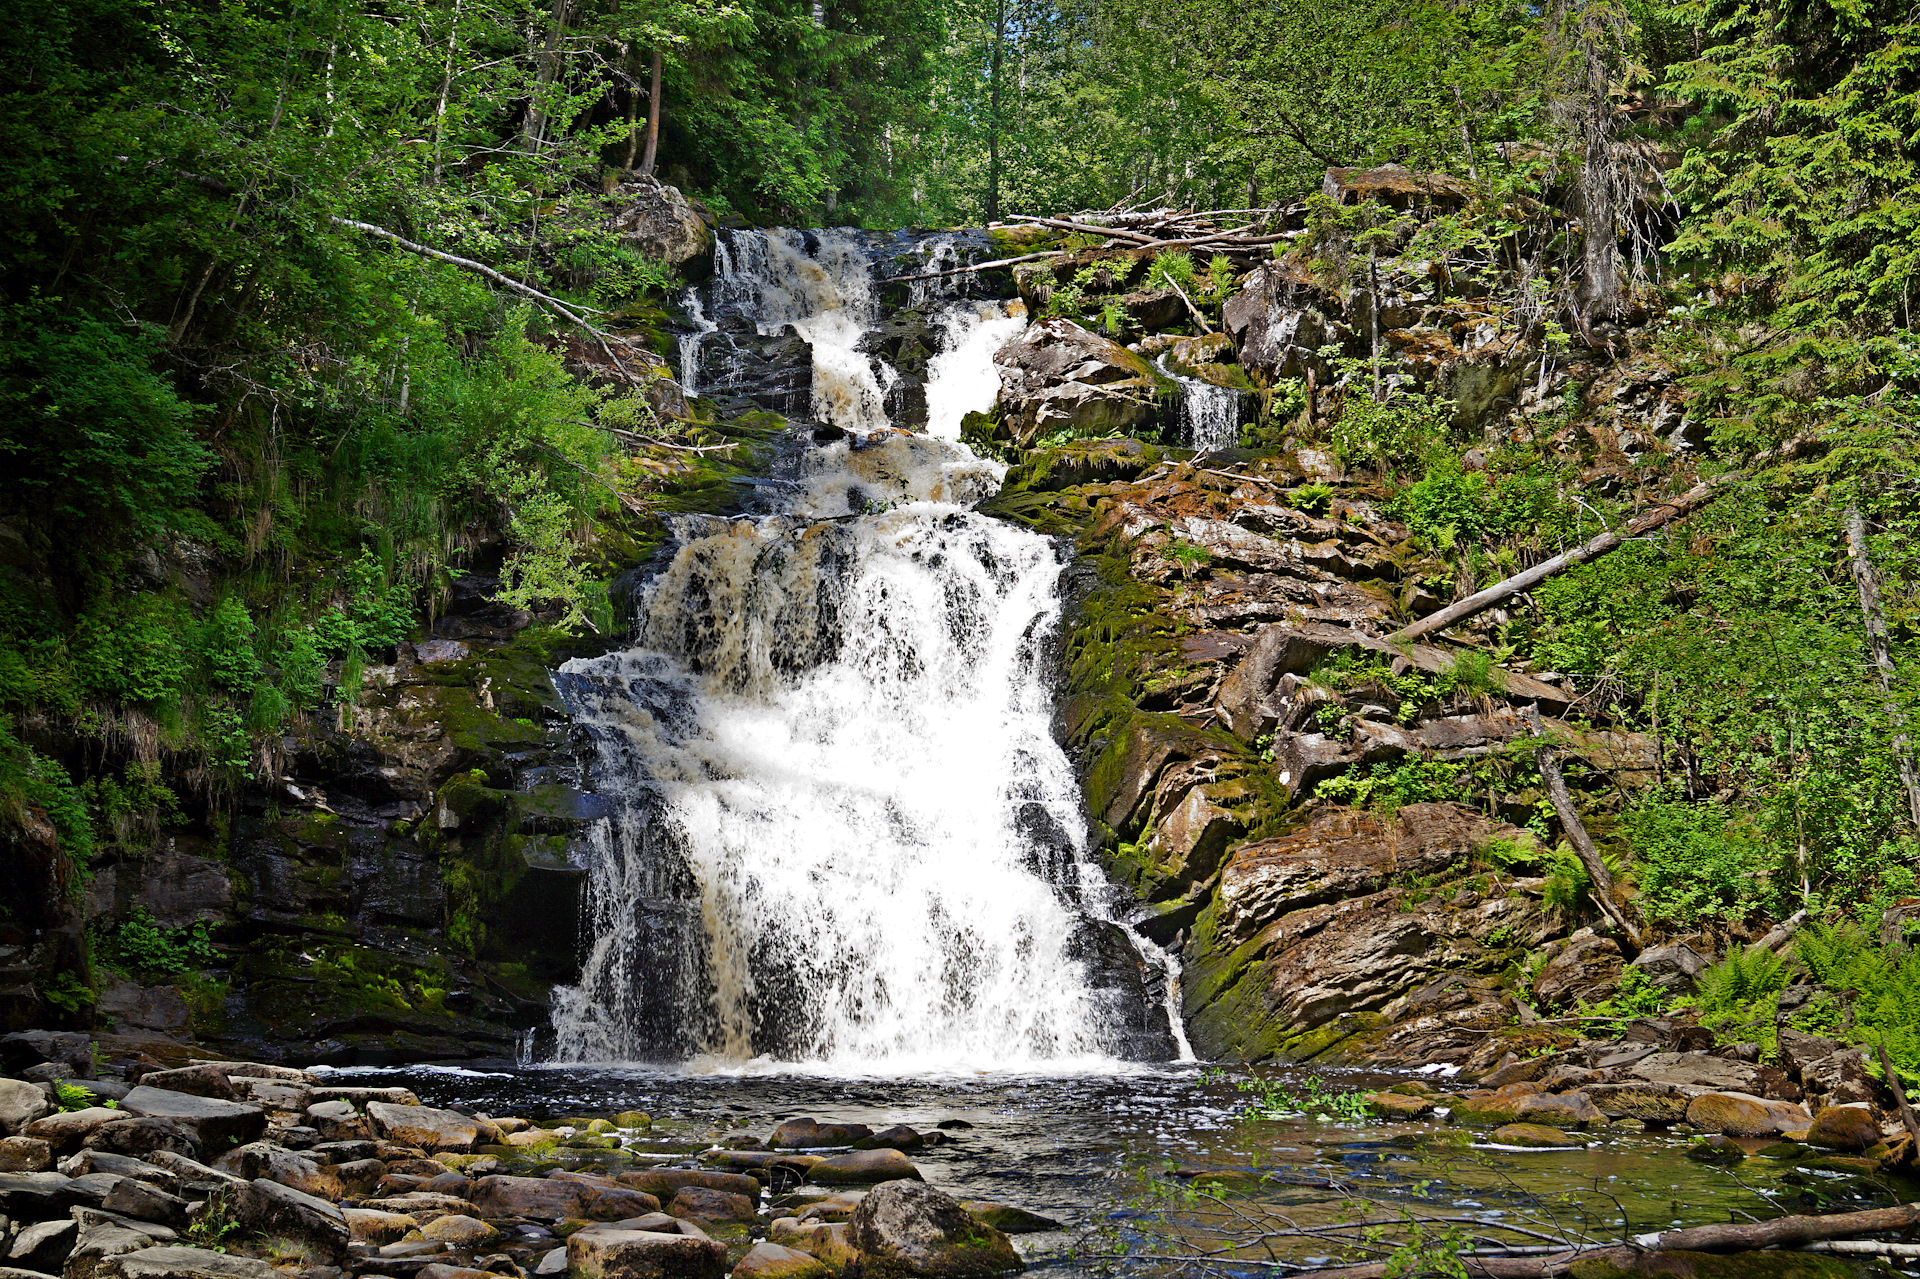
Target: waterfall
[[962, 379], [1209, 415], [844, 836]]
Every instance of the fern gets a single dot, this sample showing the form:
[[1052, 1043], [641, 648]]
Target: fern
[[1740, 995]]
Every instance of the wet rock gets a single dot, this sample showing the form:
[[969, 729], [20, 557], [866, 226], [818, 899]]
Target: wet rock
[[1699, 1070], [25, 1154], [1390, 1105], [898, 1137], [1850, 1128], [1057, 376], [263, 1159], [710, 1207], [1491, 1108], [459, 1231], [1531, 1135], [20, 1104], [216, 1125], [909, 1228], [826, 1241], [182, 1263], [1740, 1115], [665, 1183], [1843, 1079], [776, 1261], [1010, 1220], [273, 1209], [44, 1245], [863, 1167], [427, 1127], [1565, 1110], [538, 1198], [796, 1133], [606, 1253], [1720, 1150]]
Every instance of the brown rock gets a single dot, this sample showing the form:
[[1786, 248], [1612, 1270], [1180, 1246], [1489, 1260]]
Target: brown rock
[[423, 1126], [181, 1263], [709, 1207], [826, 1241], [1058, 376], [864, 1167], [1850, 1128], [459, 1231], [64, 1132], [909, 1228], [1564, 1110], [1392, 1105], [20, 1104], [25, 1154], [370, 1225], [1588, 968], [1531, 1135], [776, 1261], [201, 1081], [664, 1183], [797, 1133], [1740, 1115], [606, 1253], [1655, 1104], [536, 1198]]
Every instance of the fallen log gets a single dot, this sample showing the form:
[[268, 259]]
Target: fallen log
[[1662, 513], [1576, 832], [1782, 1232], [977, 266]]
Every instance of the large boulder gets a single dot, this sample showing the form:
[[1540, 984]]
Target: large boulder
[[777, 1261], [269, 1208], [802, 1133], [603, 1252], [659, 222], [98, 1243], [25, 1154], [909, 1228], [1058, 377], [66, 1130], [218, 1125], [1673, 967], [1279, 320], [20, 1104], [1741, 1115], [864, 1168], [665, 1183], [144, 1138], [1588, 968], [1850, 1128], [427, 1127], [182, 1263]]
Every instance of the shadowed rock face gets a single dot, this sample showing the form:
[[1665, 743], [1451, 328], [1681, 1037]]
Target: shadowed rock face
[[1057, 376]]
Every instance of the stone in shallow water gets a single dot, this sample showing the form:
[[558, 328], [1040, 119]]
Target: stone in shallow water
[[1717, 1149], [777, 1261], [1844, 1128], [1008, 1219], [864, 1167], [1389, 1105], [1531, 1135], [908, 1228]]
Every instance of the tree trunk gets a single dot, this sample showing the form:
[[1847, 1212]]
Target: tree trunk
[[1576, 832], [993, 110], [446, 87], [547, 71], [633, 112], [1867, 578], [653, 118], [1688, 502]]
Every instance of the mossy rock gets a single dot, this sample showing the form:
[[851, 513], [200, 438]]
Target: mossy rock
[[633, 1119]]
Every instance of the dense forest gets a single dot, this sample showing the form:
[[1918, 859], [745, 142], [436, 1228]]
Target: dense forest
[[294, 292]]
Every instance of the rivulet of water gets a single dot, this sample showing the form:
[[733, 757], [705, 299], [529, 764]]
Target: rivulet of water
[[1209, 415], [962, 378]]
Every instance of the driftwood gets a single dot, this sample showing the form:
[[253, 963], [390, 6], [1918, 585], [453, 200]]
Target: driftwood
[[978, 266], [1867, 579], [1907, 1117], [552, 303], [1576, 832], [1662, 513], [1782, 933], [1782, 1232]]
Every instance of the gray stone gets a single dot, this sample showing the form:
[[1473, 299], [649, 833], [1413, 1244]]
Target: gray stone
[[90, 1161], [129, 1007], [218, 1125], [25, 1154], [36, 1196], [145, 1136], [337, 1120], [777, 1261], [863, 1167], [259, 1159], [660, 222], [608, 1253], [139, 1200], [1057, 376], [273, 1209], [909, 1228], [65, 1131], [99, 1242], [20, 1104], [182, 1263], [44, 1245], [428, 1128], [1672, 968]]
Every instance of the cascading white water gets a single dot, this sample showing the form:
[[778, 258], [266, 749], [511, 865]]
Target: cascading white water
[[1209, 414], [826, 295], [962, 379], [845, 836]]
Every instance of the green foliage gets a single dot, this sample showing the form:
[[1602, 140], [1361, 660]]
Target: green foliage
[[226, 646], [1312, 499], [1878, 985], [1636, 996], [1268, 1098], [1390, 786], [72, 1097], [146, 948], [67, 991], [1188, 556], [1740, 995], [216, 1221], [1697, 862], [1391, 434]]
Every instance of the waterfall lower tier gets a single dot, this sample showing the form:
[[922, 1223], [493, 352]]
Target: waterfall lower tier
[[1209, 415]]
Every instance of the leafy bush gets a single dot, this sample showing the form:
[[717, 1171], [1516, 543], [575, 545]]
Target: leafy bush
[[1879, 986], [140, 944], [226, 646], [1740, 995], [1313, 499], [1272, 1099], [1697, 862]]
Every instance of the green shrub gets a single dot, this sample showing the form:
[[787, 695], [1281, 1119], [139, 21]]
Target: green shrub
[[1313, 499], [1697, 862], [1878, 985], [226, 646], [142, 946], [1740, 995]]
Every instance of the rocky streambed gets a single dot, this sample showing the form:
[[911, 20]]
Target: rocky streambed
[[206, 1168]]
